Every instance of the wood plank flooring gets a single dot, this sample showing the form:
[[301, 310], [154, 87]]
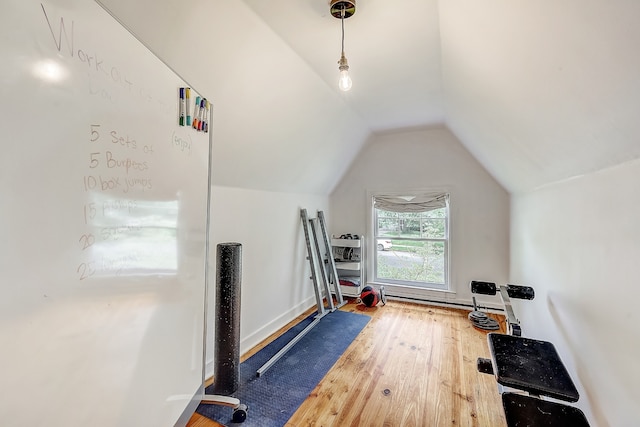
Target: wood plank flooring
[[412, 365]]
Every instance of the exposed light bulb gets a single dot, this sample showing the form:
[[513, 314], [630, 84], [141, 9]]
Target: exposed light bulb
[[344, 83]]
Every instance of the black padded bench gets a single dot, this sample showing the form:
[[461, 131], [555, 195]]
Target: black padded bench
[[535, 367], [527, 411], [530, 365]]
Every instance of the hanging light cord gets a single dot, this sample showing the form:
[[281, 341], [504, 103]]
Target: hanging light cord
[[342, 20]]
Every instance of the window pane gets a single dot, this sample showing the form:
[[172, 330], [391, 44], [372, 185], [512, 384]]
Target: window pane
[[413, 261], [412, 248], [436, 213], [434, 228], [388, 223]]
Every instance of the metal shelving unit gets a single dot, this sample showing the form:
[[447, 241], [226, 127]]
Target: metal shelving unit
[[349, 257]]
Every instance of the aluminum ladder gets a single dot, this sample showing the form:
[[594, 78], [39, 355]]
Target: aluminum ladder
[[321, 287]]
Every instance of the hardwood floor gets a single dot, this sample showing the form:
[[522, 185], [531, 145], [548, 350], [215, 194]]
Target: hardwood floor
[[412, 365]]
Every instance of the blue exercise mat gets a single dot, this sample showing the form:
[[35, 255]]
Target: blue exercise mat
[[273, 397]]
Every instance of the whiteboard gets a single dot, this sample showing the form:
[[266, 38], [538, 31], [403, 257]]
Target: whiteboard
[[103, 225]]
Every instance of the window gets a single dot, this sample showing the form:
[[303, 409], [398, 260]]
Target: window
[[412, 240]]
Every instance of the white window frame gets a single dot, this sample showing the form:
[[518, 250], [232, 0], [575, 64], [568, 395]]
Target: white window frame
[[409, 289]]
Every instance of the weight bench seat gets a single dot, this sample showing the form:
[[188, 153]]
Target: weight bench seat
[[526, 411], [530, 365]]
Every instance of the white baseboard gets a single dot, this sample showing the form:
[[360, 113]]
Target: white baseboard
[[208, 369], [250, 341]]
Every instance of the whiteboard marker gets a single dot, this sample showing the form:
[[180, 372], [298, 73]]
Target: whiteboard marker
[[195, 113], [182, 103], [201, 118], [206, 117], [187, 97]]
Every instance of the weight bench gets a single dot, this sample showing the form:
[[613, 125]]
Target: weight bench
[[527, 369]]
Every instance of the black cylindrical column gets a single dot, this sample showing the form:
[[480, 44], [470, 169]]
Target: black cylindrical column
[[227, 322]]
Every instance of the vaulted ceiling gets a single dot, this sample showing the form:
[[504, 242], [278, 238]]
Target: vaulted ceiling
[[538, 91]]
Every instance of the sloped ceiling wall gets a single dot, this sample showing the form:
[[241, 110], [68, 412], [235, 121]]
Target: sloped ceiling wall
[[277, 126], [541, 91], [538, 91], [393, 50]]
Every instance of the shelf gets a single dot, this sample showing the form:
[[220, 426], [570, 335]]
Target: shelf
[[350, 291], [342, 265], [349, 258], [346, 243]]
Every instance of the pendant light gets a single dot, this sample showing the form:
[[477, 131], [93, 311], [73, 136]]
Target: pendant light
[[343, 9]]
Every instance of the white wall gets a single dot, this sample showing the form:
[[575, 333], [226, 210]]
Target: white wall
[[577, 244], [255, 81], [275, 273], [434, 158]]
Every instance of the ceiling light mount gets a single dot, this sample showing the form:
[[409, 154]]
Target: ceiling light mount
[[336, 7]]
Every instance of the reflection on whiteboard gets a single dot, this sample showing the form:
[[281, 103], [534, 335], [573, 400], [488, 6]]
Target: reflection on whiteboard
[[130, 237], [50, 71]]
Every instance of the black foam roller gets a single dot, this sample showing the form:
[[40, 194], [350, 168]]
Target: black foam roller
[[227, 321]]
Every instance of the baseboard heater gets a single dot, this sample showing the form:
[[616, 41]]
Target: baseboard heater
[[443, 303]]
